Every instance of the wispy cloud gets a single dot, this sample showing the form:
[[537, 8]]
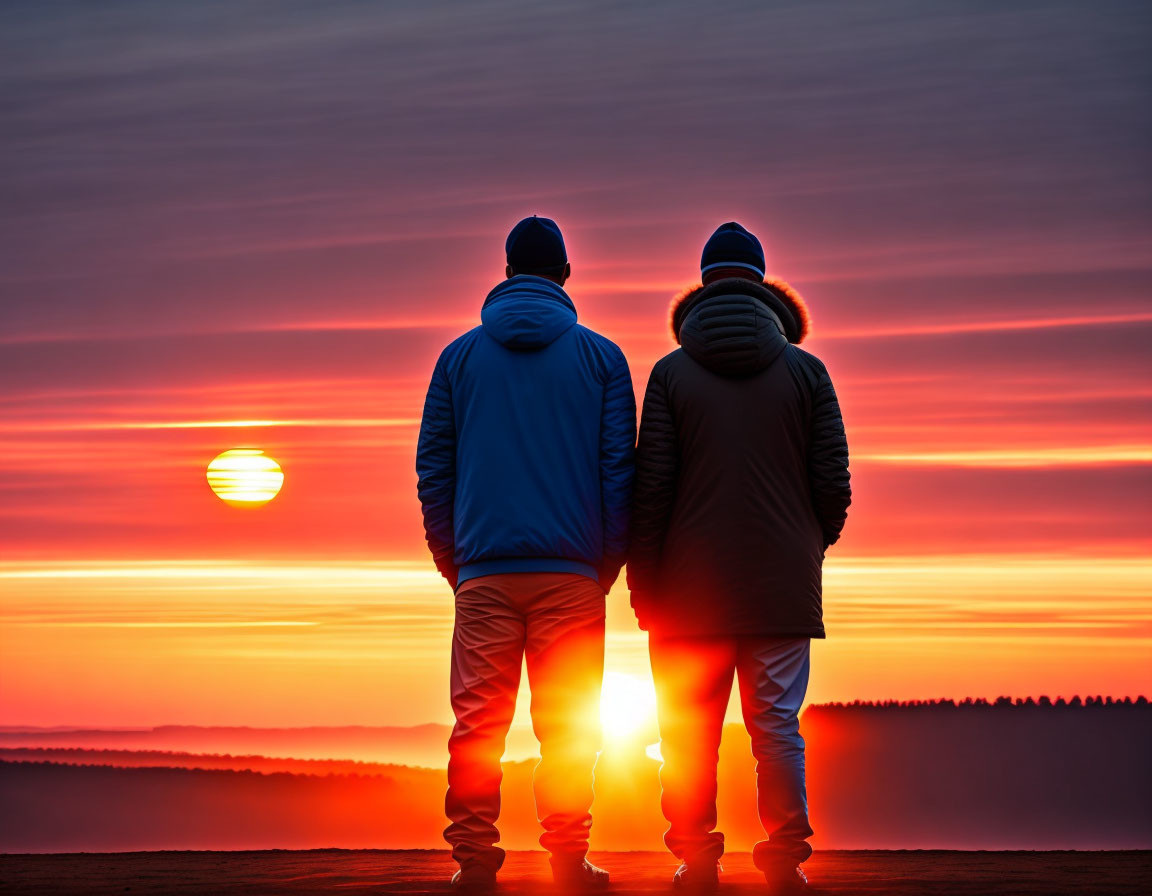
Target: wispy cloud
[[987, 326], [114, 425], [1058, 456]]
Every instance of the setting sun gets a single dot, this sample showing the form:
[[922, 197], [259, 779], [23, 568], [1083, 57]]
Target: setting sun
[[626, 704], [245, 477]]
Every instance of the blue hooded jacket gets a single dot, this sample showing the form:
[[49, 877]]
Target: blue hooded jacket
[[526, 444]]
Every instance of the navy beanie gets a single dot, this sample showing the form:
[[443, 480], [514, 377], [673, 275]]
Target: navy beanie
[[731, 246], [536, 244]]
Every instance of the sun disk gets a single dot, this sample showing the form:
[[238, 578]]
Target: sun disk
[[245, 477]]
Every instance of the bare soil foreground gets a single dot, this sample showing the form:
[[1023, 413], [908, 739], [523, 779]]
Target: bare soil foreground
[[911, 873]]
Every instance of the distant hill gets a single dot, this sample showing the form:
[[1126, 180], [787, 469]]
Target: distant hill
[[178, 759], [972, 775], [420, 745]]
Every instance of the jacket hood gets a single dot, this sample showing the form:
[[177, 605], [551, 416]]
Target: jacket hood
[[527, 313], [737, 327]]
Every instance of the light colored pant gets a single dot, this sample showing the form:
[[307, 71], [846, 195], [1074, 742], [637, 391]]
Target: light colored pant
[[556, 622], [693, 683]]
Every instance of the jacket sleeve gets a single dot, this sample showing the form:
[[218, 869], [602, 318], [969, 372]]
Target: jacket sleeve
[[654, 494], [828, 460], [436, 469], [617, 456]]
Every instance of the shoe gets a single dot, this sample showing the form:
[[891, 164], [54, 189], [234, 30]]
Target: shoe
[[702, 877], [787, 880], [579, 876], [477, 881]]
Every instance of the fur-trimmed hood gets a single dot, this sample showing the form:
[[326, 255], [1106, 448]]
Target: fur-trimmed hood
[[779, 296], [737, 327]]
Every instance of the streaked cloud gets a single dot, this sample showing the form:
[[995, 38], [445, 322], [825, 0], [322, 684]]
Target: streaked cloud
[[1025, 457], [112, 425], [989, 326]]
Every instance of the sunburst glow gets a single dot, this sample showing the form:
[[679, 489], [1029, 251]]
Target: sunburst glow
[[245, 477], [626, 704]]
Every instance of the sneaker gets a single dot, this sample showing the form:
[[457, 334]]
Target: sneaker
[[786, 880], [703, 877], [579, 876], [474, 881]]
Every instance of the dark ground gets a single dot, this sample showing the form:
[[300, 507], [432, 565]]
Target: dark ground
[[336, 870]]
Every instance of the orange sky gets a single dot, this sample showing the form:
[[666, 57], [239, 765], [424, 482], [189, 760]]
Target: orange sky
[[264, 240], [366, 642]]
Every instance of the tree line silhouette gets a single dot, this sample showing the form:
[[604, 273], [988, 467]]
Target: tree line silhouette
[[1044, 702]]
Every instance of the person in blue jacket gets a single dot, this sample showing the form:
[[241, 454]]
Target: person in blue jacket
[[525, 480]]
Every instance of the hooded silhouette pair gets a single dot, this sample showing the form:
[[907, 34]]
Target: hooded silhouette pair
[[535, 493]]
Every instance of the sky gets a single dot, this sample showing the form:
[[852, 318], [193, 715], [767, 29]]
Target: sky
[[256, 225]]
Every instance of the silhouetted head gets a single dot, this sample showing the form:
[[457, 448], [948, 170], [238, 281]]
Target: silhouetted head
[[536, 246], [732, 251]]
